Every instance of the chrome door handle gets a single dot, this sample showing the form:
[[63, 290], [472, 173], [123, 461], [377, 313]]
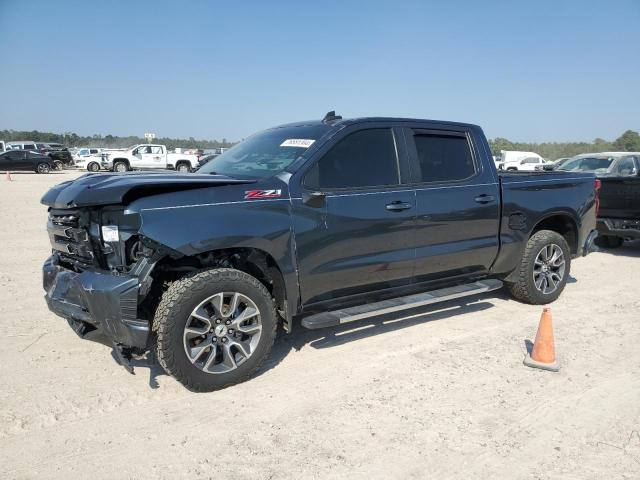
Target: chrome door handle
[[398, 206], [484, 198]]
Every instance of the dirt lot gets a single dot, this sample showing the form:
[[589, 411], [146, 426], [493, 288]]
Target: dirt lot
[[439, 393]]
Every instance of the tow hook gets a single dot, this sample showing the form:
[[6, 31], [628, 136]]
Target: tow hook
[[123, 356]]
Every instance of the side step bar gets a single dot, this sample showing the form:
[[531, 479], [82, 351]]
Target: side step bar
[[346, 315]]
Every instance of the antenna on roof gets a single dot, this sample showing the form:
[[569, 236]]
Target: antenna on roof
[[331, 116]]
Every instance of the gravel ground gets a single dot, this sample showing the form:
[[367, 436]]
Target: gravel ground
[[438, 392]]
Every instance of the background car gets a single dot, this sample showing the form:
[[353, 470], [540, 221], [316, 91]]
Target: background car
[[90, 163], [24, 160]]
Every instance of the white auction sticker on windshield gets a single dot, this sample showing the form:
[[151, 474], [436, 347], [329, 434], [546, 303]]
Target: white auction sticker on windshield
[[297, 142]]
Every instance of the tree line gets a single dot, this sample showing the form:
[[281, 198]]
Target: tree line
[[629, 141], [71, 139]]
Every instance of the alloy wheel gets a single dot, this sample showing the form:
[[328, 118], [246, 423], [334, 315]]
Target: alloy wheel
[[549, 268], [222, 332]]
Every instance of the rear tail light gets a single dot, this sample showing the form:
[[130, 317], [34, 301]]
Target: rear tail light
[[596, 185]]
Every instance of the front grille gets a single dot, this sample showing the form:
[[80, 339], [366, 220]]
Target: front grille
[[70, 238]]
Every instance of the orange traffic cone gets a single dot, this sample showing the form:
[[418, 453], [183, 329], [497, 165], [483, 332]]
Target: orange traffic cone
[[543, 354], [9, 179]]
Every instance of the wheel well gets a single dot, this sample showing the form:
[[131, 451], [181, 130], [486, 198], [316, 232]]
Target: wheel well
[[562, 224], [180, 162], [124, 160], [255, 262]]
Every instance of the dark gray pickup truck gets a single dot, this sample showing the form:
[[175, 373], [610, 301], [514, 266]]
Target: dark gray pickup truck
[[319, 223], [619, 215]]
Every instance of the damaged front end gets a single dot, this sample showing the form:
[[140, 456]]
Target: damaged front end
[[99, 275]]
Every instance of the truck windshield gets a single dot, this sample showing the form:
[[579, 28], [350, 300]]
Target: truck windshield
[[588, 164], [265, 154]]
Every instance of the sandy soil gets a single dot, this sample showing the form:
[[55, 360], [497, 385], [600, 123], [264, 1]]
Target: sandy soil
[[438, 393]]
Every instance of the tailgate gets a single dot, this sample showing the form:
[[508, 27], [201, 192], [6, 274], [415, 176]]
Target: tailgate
[[620, 197]]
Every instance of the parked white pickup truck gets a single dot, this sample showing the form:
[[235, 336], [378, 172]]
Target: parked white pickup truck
[[147, 157]]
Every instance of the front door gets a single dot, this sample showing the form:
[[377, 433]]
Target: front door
[[354, 222], [458, 205], [15, 160], [152, 157]]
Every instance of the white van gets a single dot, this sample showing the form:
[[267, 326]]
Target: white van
[[22, 145], [516, 160]]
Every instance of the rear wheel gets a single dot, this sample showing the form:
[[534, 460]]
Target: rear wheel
[[120, 167], [183, 168], [93, 167], [609, 241], [214, 328], [543, 270], [58, 166], [43, 168]]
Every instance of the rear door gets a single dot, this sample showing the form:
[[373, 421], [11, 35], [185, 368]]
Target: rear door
[[354, 220], [457, 204]]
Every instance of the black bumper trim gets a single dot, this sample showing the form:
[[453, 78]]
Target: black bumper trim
[[96, 303], [617, 227]]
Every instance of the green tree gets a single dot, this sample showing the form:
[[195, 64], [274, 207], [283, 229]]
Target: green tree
[[498, 144], [629, 141]]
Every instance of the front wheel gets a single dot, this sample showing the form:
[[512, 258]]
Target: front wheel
[[58, 166], [543, 271], [93, 167], [214, 328]]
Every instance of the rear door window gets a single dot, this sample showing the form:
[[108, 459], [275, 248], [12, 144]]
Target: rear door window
[[366, 158], [442, 157]]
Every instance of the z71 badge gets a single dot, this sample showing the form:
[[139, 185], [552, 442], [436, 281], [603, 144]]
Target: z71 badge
[[255, 194]]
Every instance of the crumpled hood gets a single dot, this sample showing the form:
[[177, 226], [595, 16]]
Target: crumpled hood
[[122, 188]]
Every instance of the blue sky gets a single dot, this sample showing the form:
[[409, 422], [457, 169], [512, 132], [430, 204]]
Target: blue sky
[[529, 71]]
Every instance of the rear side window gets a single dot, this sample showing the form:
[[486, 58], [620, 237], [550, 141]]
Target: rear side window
[[366, 158], [443, 157]]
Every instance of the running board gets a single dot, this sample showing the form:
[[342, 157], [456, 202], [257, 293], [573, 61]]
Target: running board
[[346, 315]]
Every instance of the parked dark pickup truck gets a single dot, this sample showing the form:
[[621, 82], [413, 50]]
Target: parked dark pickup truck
[[619, 216], [323, 222]]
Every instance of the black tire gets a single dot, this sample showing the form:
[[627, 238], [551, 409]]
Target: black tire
[[183, 167], [58, 166], [608, 241], [43, 167], [175, 308], [523, 288], [93, 167], [120, 167]]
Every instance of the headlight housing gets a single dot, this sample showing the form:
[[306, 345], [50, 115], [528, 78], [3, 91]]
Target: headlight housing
[[110, 233]]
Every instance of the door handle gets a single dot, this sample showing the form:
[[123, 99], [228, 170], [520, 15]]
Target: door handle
[[398, 206], [484, 198]]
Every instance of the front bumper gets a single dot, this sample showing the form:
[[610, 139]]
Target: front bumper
[[618, 227], [97, 305]]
